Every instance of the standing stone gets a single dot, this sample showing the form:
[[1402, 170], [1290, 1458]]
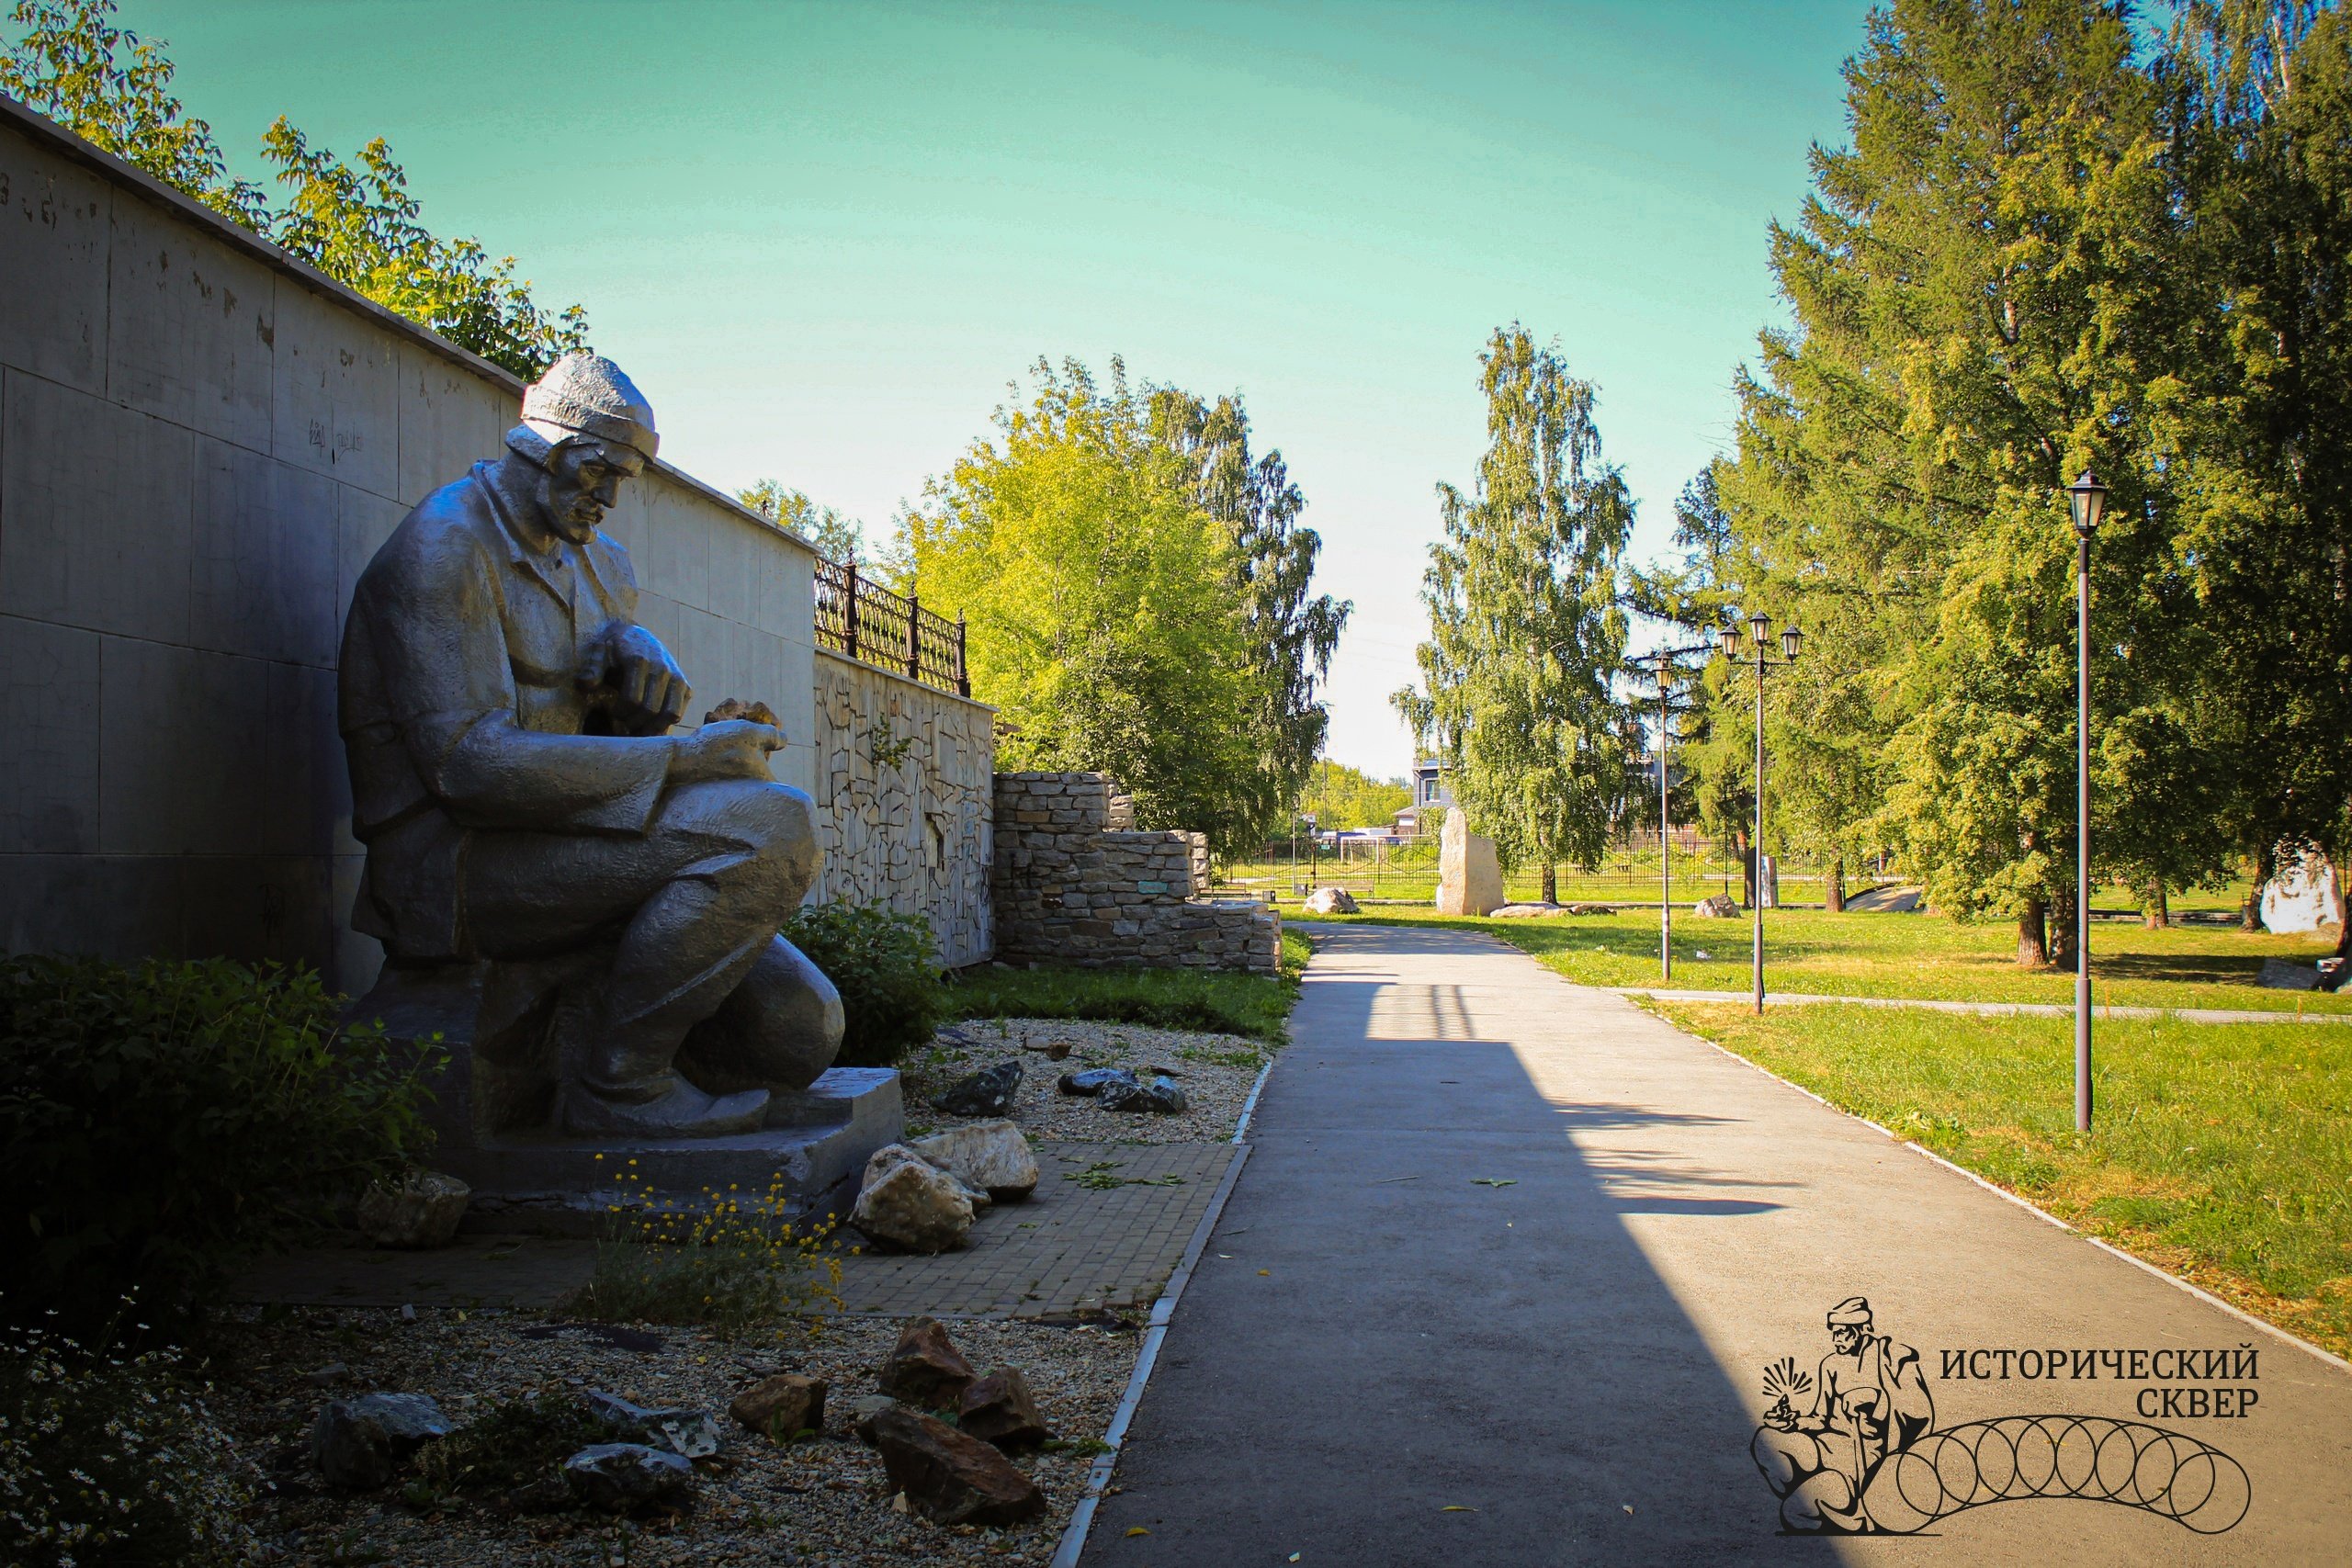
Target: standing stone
[[1469, 878]]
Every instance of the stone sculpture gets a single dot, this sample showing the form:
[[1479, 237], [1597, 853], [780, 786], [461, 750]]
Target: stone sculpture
[[598, 896]]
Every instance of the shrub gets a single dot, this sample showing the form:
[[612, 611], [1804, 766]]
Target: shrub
[[881, 961], [1226, 1002], [107, 1461], [732, 1263], [511, 1444], [158, 1119]]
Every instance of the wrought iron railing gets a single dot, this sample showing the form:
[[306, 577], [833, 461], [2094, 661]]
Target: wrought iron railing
[[858, 616]]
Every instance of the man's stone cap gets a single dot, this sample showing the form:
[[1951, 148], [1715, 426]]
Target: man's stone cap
[[1853, 1311], [588, 394]]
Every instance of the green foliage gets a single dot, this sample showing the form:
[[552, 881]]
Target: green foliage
[[160, 1120], [882, 963], [1526, 634], [114, 1462], [1133, 591], [357, 225], [837, 536], [1256, 1007], [514, 1443], [1342, 797], [737, 1264]]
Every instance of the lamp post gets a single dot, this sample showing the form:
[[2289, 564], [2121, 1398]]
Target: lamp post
[[1760, 627], [1666, 658], [2086, 499]]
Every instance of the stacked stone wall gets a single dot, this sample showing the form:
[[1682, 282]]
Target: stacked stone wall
[[1075, 883], [904, 800]]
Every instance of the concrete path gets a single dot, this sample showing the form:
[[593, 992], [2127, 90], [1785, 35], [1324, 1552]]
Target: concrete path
[[1573, 1362], [1989, 1009]]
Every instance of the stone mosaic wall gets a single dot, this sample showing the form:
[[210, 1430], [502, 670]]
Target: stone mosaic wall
[[1072, 887], [903, 801]]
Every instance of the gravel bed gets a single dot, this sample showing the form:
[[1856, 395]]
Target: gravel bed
[[1215, 1071], [820, 1501]]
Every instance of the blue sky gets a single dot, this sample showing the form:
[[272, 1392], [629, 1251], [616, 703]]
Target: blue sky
[[824, 238]]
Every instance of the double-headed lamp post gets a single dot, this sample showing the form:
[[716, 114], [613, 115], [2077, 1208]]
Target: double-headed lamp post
[[1760, 627], [2086, 499]]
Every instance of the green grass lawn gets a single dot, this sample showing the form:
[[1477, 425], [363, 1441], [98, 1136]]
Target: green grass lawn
[[1908, 956], [2220, 1151], [1256, 1006]]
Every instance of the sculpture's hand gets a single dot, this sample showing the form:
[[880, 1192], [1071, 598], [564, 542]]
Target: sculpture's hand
[[731, 748], [649, 693]]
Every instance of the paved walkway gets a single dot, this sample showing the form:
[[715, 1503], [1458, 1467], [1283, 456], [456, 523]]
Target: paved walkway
[[1382, 1360], [1990, 1009], [1106, 1228]]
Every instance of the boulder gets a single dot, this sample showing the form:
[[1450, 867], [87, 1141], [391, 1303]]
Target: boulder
[[989, 1092], [1094, 1080], [1469, 878], [1160, 1095], [1525, 911], [1330, 901], [358, 1444], [2284, 975], [2305, 893], [1717, 907], [781, 1406], [990, 1155], [909, 1203], [925, 1368], [620, 1478], [690, 1434], [421, 1210], [1592, 909], [948, 1477], [1000, 1409]]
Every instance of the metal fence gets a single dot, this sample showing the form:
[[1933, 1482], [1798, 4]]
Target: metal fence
[[858, 616]]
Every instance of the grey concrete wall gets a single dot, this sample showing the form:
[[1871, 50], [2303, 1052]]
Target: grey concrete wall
[[905, 801], [202, 443]]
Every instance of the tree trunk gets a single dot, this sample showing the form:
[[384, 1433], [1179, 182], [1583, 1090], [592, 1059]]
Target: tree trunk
[[1551, 882], [2064, 950], [1747, 874], [2156, 910], [1833, 886], [2344, 931], [2265, 861], [2033, 942]]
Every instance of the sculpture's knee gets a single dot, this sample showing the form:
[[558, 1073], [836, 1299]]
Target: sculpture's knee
[[780, 1027], [784, 847]]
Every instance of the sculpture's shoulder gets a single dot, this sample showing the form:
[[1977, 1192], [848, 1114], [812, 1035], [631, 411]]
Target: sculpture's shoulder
[[615, 561], [448, 537]]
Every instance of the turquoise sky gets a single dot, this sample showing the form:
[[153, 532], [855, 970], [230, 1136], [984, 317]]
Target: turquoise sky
[[824, 238]]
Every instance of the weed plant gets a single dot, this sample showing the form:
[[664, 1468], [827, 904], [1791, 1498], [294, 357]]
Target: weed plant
[[511, 1444], [740, 1266]]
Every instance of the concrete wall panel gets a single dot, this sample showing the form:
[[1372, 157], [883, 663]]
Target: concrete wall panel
[[53, 240], [334, 393], [48, 767], [183, 748], [189, 326], [448, 418], [264, 546]]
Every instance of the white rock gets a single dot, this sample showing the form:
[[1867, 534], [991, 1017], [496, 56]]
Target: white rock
[[990, 1155], [1469, 878], [907, 1201], [1719, 905], [1330, 901]]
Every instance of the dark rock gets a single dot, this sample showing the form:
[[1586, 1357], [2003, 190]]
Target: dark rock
[[2282, 974], [988, 1092], [358, 1444], [550, 1494], [612, 1336], [781, 1406], [420, 1211], [1591, 909], [1717, 907], [1000, 1409], [1094, 1080], [949, 1478], [620, 1478], [334, 1373], [691, 1434], [2334, 973], [925, 1368], [1161, 1095]]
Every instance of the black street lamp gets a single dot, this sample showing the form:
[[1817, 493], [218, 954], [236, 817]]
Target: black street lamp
[[2086, 499], [1791, 641]]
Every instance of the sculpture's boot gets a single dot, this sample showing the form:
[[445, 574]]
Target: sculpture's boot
[[678, 1110]]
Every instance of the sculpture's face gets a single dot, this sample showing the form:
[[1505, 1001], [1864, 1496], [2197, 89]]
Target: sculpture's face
[[1847, 1338], [581, 481]]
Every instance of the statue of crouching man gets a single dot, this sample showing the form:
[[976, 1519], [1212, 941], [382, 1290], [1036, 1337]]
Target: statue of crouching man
[[506, 722]]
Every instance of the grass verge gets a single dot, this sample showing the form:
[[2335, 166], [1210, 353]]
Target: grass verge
[[1254, 1006], [1928, 957], [2219, 1153]]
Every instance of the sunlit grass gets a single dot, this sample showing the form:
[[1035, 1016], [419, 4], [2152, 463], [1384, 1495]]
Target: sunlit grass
[[2219, 1152], [1256, 1006], [1927, 956]]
